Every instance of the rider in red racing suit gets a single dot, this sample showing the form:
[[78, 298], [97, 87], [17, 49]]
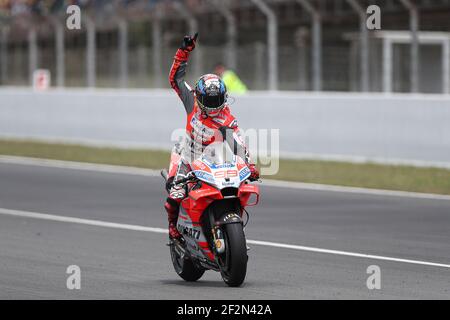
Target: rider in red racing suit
[[207, 116]]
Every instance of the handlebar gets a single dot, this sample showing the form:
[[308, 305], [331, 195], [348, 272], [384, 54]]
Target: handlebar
[[184, 180], [191, 176]]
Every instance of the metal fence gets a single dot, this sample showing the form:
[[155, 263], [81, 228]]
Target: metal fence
[[271, 44]]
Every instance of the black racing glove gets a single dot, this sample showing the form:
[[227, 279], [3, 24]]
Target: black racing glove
[[189, 43]]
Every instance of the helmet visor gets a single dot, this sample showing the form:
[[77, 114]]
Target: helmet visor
[[212, 102]]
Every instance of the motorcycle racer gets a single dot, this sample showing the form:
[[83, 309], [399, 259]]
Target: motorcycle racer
[[208, 118]]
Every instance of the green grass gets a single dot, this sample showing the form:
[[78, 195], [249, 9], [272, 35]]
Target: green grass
[[429, 180], [367, 175], [70, 152]]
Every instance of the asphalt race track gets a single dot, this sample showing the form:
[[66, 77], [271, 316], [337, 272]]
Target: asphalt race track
[[132, 264]]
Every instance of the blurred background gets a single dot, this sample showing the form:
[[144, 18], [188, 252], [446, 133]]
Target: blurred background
[[308, 45], [336, 85], [331, 102]]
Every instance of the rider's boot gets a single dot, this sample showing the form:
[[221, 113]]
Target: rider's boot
[[172, 207]]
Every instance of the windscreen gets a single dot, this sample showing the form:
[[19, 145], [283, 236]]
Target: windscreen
[[218, 153]]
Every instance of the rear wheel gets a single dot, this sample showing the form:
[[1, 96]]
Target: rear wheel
[[233, 262], [184, 266]]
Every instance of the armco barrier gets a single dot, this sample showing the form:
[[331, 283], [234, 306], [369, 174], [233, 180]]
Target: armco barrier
[[388, 128]]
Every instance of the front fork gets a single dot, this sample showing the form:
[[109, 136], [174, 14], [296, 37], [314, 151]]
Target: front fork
[[219, 242], [217, 235]]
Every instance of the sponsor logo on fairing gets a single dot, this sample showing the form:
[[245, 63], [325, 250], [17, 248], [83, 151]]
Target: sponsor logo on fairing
[[205, 176], [244, 173], [190, 232], [227, 184], [221, 166]]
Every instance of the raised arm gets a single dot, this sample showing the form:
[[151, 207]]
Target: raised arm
[[178, 71]]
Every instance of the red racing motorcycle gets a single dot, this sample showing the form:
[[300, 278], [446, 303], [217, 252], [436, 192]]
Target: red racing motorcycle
[[211, 218]]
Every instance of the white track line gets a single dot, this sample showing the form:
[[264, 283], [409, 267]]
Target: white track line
[[378, 192], [268, 182], [85, 166], [98, 223]]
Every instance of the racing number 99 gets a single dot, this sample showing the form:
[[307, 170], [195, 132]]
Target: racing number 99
[[226, 174]]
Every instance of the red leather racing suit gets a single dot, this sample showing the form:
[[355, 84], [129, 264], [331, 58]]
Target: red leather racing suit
[[201, 130]]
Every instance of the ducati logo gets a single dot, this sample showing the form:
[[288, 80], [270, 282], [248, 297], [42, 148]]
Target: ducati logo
[[190, 232]]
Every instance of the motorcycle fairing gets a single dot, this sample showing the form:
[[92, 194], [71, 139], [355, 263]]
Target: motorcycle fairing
[[193, 235], [205, 191], [223, 176], [215, 177], [245, 192]]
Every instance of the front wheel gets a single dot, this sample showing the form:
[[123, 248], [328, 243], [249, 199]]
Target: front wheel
[[233, 262], [184, 266]]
